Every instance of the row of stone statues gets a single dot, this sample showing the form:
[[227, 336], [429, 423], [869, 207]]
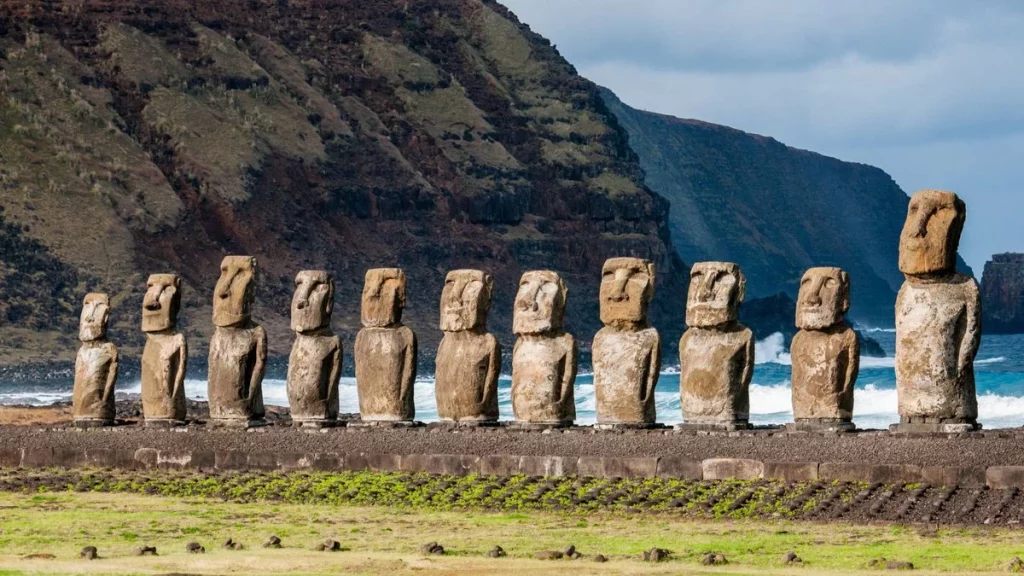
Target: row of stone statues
[[936, 318]]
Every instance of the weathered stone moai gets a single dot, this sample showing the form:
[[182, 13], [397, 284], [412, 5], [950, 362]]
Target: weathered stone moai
[[825, 352], [716, 353], [385, 351], [238, 348], [314, 366], [468, 357], [626, 352], [938, 320], [544, 357], [95, 366], [165, 356]]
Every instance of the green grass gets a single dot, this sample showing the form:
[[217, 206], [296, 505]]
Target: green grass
[[384, 539]]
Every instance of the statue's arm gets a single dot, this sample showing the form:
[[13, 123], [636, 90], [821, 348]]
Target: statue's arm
[[493, 371], [654, 368], [179, 377], [569, 373], [972, 334], [748, 360], [336, 359], [409, 365], [108, 388], [261, 362], [852, 362]]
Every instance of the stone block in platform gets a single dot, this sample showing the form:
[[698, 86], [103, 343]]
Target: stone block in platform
[[231, 460], [791, 471], [713, 426], [680, 467], [821, 426], [732, 468], [953, 475], [611, 467], [454, 464], [1003, 477], [884, 473], [497, 465], [548, 465]]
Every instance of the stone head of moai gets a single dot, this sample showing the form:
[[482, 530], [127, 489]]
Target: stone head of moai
[[161, 303], [824, 298], [383, 297], [235, 292], [931, 234], [716, 291], [465, 300], [540, 303], [313, 301], [627, 287], [95, 313]]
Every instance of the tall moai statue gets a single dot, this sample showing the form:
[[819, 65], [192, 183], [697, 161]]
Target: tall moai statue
[[716, 353], [544, 357], [468, 357], [95, 366], [626, 352], [238, 348], [165, 357], [938, 320], [314, 366], [825, 352], [385, 352]]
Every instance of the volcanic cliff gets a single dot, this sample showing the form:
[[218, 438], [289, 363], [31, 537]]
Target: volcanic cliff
[[776, 210], [153, 136], [1002, 294]]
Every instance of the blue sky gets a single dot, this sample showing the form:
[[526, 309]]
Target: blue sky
[[931, 91]]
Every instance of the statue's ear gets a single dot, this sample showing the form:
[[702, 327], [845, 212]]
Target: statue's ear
[[742, 294], [844, 301]]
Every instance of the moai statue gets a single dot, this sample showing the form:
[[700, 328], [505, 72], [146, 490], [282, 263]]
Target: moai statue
[[314, 366], [385, 352], [468, 357], [938, 320], [716, 353], [238, 348], [165, 357], [95, 366], [544, 357], [826, 353], [626, 352]]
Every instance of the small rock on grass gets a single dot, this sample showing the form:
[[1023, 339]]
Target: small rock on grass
[[194, 548], [145, 551], [600, 558], [89, 553], [432, 548], [548, 555], [572, 553], [39, 557], [272, 542], [1016, 565], [712, 559], [898, 565], [328, 546], [656, 555], [496, 552], [230, 544], [791, 558]]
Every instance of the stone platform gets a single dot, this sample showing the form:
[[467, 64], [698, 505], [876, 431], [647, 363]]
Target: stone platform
[[981, 458]]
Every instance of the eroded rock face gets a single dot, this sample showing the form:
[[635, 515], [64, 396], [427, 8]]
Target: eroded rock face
[[938, 319], [385, 351], [238, 348], [96, 364], [716, 354], [314, 366], [165, 356], [468, 357], [544, 357], [826, 351], [626, 352]]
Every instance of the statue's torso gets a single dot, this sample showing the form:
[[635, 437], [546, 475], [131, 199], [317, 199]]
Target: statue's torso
[[463, 386], [822, 386], [624, 364], [714, 368], [313, 367], [93, 366], [539, 368], [384, 357], [162, 358], [233, 391]]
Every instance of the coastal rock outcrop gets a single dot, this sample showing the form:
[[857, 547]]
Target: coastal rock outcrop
[[1002, 294]]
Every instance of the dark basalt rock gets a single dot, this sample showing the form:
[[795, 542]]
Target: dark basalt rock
[[145, 551], [1002, 294], [272, 542], [89, 553], [194, 548]]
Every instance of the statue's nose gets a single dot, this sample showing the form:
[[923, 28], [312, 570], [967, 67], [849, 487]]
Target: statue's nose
[[153, 305], [301, 304]]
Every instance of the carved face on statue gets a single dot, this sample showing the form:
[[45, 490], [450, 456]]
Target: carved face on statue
[[627, 287], [383, 297], [313, 301], [540, 303], [465, 300], [161, 303], [95, 313], [931, 234], [235, 292], [824, 298], [716, 291]]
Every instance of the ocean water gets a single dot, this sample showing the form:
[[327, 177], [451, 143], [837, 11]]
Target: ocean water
[[999, 374]]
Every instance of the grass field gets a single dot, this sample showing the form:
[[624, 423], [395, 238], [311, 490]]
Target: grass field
[[386, 540]]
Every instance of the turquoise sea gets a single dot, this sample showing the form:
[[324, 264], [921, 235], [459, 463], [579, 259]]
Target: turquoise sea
[[999, 369]]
